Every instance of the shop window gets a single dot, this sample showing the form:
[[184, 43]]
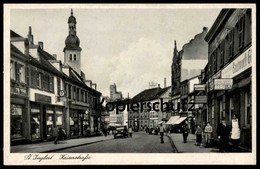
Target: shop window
[[59, 118], [16, 121], [248, 111], [74, 124], [231, 108], [35, 121], [49, 122]]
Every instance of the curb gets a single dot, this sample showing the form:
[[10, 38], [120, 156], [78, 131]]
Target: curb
[[64, 148], [175, 150]]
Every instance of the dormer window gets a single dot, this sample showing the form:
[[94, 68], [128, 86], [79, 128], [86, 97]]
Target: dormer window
[[75, 58]]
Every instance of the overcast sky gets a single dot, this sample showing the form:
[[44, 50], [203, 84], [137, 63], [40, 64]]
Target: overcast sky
[[129, 47]]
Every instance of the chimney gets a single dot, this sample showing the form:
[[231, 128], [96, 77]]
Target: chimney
[[94, 84], [128, 95], [205, 29], [158, 85], [40, 44], [55, 56], [164, 82], [88, 83], [30, 36]]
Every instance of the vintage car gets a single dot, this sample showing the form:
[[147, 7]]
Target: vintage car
[[121, 131]]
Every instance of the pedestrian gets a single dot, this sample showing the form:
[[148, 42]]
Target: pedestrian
[[223, 133], [199, 134], [235, 132], [55, 134], [130, 131], [208, 131], [185, 131], [162, 130]]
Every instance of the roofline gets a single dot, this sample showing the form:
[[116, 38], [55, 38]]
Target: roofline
[[217, 25]]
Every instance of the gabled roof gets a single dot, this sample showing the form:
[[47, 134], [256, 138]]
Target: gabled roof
[[16, 52], [161, 92], [15, 35], [46, 55], [146, 95]]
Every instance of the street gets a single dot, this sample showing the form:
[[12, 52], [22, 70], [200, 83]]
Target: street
[[141, 142]]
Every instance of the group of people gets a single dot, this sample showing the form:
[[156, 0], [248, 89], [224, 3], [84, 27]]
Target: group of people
[[224, 133]]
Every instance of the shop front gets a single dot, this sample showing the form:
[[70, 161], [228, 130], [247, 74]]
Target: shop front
[[44, 116], [79, 121]]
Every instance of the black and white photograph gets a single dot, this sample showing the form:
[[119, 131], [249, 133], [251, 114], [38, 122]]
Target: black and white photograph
[[129, 84]]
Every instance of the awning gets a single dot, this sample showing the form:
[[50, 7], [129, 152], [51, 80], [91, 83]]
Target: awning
[[181, 119], [172, 119], [161, 122]]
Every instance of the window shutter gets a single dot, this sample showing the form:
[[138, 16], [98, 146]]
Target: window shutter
[[16, 71], [27, 75]]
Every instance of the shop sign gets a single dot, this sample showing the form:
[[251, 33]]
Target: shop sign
[[240, 64], [223, 84], [215, 76], [42, 98], [200, 99], [19, 91], [199, 87]]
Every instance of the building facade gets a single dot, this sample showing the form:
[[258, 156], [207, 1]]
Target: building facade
[[46, 93], [230, 57], [114, 94]]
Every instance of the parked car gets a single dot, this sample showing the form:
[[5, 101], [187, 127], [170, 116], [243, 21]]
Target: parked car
[[121, 131]]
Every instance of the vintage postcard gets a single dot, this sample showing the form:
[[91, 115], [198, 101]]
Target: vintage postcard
[[129, 84]]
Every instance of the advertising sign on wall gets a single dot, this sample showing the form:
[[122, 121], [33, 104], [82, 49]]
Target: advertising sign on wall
[[240, 64], [223, 84]]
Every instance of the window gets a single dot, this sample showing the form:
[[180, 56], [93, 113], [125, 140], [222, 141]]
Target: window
[[12, 70], [222, 53], [58, 84], [248, 113], [45, 82], [75, 58], [16, 121], [39, 80], [77, 96], [74, 92], [86, 97], [34, 77], [241, 28], [51, 84], [70, 91], [230, 39], [214, 61], [20, 73], [70, 56]]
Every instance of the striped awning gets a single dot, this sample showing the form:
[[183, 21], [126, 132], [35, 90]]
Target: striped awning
[[181, 119], [172, 119]]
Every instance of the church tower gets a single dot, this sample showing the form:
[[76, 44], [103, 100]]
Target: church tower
[[72, 51]]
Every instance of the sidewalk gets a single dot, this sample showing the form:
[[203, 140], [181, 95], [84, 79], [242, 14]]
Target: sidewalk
[[49, 146], [189, 146]]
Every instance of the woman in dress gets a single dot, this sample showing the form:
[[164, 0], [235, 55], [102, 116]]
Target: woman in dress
[[235, 132]]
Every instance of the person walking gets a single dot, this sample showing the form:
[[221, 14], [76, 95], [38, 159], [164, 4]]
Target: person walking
[[235, 132], [208, 131], [223, 133], [130, 131], [162, 130], [55, 134], [199, 134], [185, 131]]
